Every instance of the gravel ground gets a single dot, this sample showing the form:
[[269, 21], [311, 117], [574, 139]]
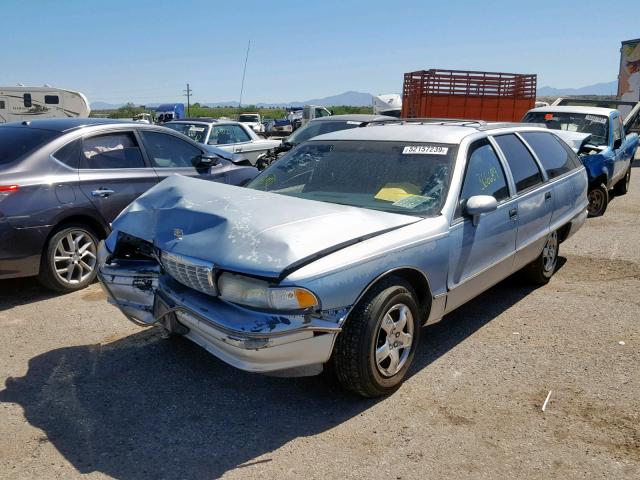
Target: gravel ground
[[87, 394]]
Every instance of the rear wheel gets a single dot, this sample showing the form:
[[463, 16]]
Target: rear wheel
[[379, 340], [540, 271], [69, 261], [622, 187], [598, 197]]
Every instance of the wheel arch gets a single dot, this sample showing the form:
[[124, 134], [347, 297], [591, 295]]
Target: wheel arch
[[415, 277]]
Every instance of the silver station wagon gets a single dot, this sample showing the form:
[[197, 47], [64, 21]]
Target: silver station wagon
[[345, 247]]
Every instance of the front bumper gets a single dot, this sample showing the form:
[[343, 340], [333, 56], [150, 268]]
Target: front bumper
[[250, 340]]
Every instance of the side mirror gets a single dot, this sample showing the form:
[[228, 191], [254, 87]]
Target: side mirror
[[617, 144], [206, 160], [479, 204]]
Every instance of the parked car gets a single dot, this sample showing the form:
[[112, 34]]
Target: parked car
[[63, 181], [608, 155], [253, 120], [281, 126], [322, 125], [341, 250], [228, 135]]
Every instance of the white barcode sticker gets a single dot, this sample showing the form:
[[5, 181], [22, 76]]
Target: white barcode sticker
[[425, 150], [596, 118]]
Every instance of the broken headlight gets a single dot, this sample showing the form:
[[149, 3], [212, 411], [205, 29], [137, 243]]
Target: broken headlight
[[256, 293]]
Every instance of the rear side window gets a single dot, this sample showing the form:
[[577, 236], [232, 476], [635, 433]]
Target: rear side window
[[113, 150], [484, 175], [227, 134], [17, 142], [555, 159], [26, 99], [524, 168], [2, 105], [69, 154], [51, 99]]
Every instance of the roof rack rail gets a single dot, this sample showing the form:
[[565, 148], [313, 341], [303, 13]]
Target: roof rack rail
[[432, 121]]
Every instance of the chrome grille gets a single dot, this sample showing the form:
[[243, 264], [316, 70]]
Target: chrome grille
[[191, 272]]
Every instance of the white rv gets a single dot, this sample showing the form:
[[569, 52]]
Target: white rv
[[29, 103]]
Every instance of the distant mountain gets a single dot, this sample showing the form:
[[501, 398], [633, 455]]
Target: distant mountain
[[607, 88], [354, 99], [105, 106]]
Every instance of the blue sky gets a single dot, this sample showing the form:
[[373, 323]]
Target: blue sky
[[146, 50]]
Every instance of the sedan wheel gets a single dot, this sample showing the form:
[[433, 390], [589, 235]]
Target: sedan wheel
[[75, 257], [70, 259], [395, 337], [379, 339]]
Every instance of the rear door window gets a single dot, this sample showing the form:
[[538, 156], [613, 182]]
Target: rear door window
[[555, 159], [227, 134], [524, 168], [111, 151]]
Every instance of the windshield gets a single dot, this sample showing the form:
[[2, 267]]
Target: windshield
[[249, 118], [408, 178], [596, 125], [17, 142], [313, 129], [195, 131]]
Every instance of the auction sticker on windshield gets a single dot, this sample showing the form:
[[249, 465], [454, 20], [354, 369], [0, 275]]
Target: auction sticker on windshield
[[596, 119], [425, 150]]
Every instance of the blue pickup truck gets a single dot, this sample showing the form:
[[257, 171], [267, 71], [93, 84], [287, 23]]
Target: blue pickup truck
[[608, 153]]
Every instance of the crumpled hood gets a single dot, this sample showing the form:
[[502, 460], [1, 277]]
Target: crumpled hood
[[576, 140], [246, 230]]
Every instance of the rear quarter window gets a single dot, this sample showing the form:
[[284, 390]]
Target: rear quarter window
[[554, 157]]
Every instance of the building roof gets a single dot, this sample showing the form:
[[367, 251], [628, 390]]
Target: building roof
[[66, 124]]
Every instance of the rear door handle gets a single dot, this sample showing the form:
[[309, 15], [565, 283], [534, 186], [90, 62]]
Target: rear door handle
[[513, 213], [547, 196], [102, 192]]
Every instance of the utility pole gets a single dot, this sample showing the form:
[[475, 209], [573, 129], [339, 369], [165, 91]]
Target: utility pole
[[243, 74], [187, 93]]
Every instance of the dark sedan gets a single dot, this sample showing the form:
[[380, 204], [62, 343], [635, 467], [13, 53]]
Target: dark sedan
[[63, 181]]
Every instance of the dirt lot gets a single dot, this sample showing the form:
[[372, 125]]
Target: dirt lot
[[85, 393]]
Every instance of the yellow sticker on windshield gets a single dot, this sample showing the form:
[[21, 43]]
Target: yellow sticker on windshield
[[392, 192]]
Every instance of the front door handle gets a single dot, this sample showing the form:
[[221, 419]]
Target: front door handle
[[547, 196], [513, 213], [102, 192]]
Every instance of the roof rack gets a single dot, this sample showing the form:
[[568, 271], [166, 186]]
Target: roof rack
[[460, 122]]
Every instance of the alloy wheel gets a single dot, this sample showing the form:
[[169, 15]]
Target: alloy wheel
[[395, 337], [550, 252], [596, 201], [75, 257]]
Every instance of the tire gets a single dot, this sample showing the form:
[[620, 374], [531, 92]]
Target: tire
[[598, 197], [540, 271], [622, 187], [69, 261], [370, 329]]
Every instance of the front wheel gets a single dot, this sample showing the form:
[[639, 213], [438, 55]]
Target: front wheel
[[598, 198], [622, 187], [69, 261], [377, 345]]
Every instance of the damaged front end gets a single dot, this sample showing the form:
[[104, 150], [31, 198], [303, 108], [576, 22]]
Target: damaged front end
[[182, 294]]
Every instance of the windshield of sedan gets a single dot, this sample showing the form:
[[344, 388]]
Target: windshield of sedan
[[596, 125], [313, 129], [397, 177], [195, 131], [248, 118]]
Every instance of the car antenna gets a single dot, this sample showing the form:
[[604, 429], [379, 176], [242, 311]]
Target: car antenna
[[246, 58]]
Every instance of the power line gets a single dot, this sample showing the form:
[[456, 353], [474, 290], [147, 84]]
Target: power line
[[243, 74]]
